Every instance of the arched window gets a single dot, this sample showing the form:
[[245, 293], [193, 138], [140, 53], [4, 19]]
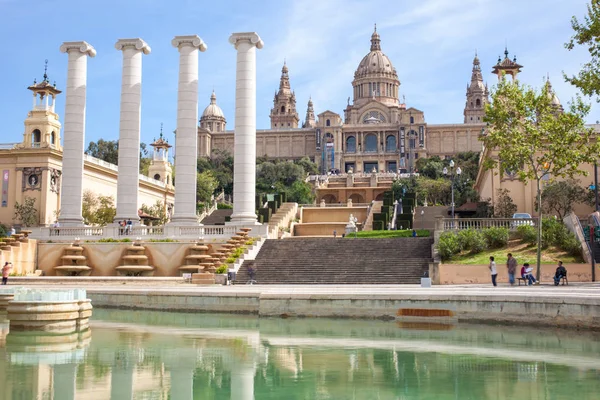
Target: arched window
[[412, 120], [282, 109], [53, 138], [351, 144], [157, 177], [36, 138], [477, 103], [371, 143], [328, 123], [390, 143]]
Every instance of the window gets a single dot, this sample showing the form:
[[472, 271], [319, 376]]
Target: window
[[53, 138], [282, 109], [390, 143], [412, 119], [157, 177], [351, 144], [36, 138], [328, 123], [371, 143], [478, 103]]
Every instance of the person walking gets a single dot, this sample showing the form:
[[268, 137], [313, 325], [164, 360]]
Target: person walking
[[511, 266], [5, 271], [493, 270]]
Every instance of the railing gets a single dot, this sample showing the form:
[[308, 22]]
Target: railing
[[448, 224], [77, 231]]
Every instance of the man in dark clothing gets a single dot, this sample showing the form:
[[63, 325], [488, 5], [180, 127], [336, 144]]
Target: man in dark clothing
[[560, 273]]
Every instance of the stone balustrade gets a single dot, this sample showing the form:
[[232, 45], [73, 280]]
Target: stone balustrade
[[449, 224]]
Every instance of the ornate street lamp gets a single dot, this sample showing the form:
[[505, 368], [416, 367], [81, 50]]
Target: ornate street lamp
[[452, 174]]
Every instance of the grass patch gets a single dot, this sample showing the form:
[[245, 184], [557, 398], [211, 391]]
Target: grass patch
[[389, 234], [522, 252]]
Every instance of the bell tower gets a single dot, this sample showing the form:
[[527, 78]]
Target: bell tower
[[42, 128], [477, 96], [507, 66], [283, 114], [160, 167], [309, 121]]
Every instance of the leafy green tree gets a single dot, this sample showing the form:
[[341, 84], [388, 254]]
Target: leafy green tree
[[97, 209], [531, 136], [587, 34], [108, 150], [157, 210], [560, 197], [206, 186], [504, 207], [26, 213], [309, 167]]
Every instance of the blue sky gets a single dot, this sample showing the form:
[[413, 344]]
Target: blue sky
[[431, 43]]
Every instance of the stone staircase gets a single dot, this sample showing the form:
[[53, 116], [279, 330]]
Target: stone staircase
[[217, 217], [376, 208], [340, 261]]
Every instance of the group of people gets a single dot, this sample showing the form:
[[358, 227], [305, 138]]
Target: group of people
[[126, 226], [526, 271]]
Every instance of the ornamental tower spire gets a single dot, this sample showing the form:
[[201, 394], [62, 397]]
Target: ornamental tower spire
[[283, 114], [477, 96], [309, 121]]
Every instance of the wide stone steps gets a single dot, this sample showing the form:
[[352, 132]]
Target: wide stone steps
[[340, 261]]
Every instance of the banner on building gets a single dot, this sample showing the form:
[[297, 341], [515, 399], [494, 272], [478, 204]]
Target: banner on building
[[318, 137], [421, 136], [402, 142], [5, 188]]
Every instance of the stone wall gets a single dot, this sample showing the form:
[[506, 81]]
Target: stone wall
[[103, 258], [458, 274], [22, 257], [332, 214]]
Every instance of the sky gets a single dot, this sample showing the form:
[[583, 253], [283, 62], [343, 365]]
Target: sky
[[431, 43]]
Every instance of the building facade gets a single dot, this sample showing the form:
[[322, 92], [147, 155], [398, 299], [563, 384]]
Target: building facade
[[377, 131]]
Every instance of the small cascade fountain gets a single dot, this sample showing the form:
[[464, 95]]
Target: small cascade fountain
[[74, 263], [194, 261], [135, 261]]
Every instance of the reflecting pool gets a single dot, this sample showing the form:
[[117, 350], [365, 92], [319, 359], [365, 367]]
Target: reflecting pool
[[159, 355]]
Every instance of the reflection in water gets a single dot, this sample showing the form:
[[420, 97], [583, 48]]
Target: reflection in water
[[153, 355]]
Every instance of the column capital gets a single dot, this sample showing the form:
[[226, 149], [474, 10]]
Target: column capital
[[189, 40], [251, 37], [82, 47], [136, 43]]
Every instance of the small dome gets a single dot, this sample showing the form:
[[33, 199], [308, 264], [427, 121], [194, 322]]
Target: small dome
[[375, 62], [552, 94], [213, 110]]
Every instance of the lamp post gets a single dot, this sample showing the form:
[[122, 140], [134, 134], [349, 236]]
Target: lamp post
[[452, 173]]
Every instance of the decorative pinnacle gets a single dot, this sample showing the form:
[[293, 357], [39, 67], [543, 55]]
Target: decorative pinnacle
[[46, 70], [161, 127], [375, 26]]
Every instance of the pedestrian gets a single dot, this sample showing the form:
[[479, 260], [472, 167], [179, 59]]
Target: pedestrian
[[511, 265], [5, 270], [493, 270], [526, 274], [334, 233], [13, 231], [414, 233], [129, 226], [561, 272]]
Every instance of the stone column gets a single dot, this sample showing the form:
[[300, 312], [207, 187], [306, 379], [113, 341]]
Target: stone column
[[63, 381], [129, 128], [74, 132], [242, 380], [186, 142], [244, 157]]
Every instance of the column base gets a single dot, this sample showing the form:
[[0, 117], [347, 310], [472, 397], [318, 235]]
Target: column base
[[71, 221], [244, 219]]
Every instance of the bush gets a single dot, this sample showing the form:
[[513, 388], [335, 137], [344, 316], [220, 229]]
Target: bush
[[472, 240], [554, 233], [527, 234], [3, 230], [572, 246], [221, 270], [448, 245], [496, 238], [223, 206]]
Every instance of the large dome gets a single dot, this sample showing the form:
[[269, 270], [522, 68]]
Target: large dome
[[375, 63], [213, 110]]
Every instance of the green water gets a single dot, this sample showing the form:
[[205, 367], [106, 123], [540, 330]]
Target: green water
[[156, 355]]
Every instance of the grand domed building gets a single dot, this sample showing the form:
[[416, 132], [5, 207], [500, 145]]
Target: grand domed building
[[377, 132]]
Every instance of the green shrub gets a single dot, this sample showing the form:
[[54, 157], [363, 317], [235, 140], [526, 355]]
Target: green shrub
[[221, 270], [235, 255], [3, 230], [167, 240], [554, 233], [223, 206], [472, 240], [111, 240], [496, 238], [572, 246], [527, 233], [448, 245]]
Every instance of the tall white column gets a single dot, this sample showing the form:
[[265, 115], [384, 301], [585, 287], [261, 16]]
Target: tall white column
[[129, 128], [63, 381], [71, 193], [186, 141], [244, 153]]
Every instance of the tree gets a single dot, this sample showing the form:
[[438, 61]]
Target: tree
[[309, 167], [505, 207], [587, 34], [107, 150], [26, 213], [206, 186], [533, 137], [158, 210], [97, 209], [559, 197]]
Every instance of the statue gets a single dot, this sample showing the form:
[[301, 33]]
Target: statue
[[351, 226]]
